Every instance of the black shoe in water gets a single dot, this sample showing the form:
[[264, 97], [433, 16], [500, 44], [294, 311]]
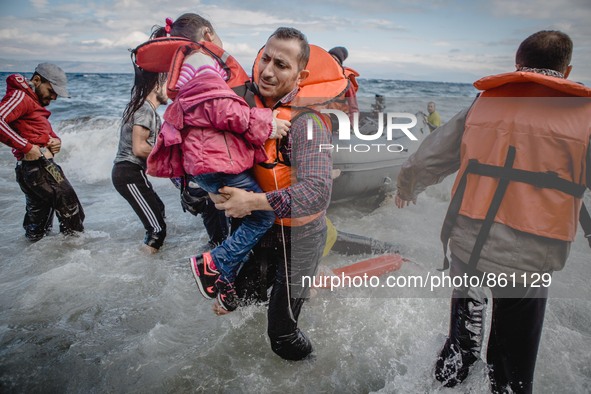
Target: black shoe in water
[[227, 296], [453, 365], [204, 275], [463, 346]]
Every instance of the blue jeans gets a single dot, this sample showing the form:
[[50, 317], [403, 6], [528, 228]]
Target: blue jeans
[[229, 255]]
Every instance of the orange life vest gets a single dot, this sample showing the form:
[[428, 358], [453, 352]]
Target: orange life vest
[[325, 87], [351, 76], [544, 124], [167, 54]]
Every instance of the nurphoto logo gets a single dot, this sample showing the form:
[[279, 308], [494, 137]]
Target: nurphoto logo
[[344, 133]]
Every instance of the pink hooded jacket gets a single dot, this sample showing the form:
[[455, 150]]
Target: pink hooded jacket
[[209, 128]]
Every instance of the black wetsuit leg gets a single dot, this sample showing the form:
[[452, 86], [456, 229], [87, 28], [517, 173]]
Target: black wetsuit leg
[[516, 329], [288, 296], [47, 190], [515, 333], [131, 182], [256, 276]]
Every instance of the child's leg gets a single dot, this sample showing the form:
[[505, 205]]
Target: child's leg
[[229, 254], [211, 183], [235, 249]]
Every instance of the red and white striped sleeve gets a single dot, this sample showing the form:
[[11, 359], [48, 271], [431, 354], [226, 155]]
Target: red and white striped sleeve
[[12, 106]]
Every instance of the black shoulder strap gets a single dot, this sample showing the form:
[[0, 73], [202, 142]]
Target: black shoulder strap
[[450, 217], [245, 91], [547, 180], [456, 203], [585, 221], [492, 211], [505, 175]]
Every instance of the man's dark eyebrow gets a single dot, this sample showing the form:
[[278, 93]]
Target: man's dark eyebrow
[[281, 62]]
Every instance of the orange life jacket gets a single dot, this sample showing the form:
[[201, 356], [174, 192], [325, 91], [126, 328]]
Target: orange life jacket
[[325, 87], [351, 76], [167, 54], [544, 124]]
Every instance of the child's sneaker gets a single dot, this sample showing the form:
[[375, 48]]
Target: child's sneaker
[[204, 275], [227, 296]]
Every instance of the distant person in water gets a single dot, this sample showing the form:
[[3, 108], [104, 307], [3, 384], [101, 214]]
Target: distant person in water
[[433, 120], [25, 127], [139, 129], [340, 54]]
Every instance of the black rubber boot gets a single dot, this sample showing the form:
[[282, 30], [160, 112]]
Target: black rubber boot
[[463, 346], [295, 346]]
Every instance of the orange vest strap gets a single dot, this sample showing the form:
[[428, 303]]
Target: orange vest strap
[[352, 76]]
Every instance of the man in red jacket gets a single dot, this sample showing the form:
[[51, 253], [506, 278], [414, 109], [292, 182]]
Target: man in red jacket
[[24, 126]]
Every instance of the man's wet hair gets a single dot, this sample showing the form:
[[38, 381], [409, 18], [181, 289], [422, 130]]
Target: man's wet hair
[[289, 33], [550, 49]]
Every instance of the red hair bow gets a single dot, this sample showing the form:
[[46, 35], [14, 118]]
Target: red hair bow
[[168, 26]]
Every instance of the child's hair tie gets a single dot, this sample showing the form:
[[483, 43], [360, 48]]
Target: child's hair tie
[[168, 26]]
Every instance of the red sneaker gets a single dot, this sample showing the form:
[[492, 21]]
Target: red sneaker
[[227, 297], [204, 275]]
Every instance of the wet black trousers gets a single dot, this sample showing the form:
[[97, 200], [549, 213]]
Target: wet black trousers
[[516, 328], [288, 295], [47, 191], [515, 334], [131, 182]]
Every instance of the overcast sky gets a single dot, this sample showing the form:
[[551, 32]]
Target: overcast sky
[[438, 40]]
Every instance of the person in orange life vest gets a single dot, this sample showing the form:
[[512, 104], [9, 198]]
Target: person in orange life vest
[[522, 225], [300, 198], [340, 54], [139, 129], [24, 126], [221, 138]]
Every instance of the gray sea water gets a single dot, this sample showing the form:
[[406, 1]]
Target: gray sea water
[[95, 314]]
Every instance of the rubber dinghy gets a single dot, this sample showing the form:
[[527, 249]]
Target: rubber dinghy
[[369, 167]]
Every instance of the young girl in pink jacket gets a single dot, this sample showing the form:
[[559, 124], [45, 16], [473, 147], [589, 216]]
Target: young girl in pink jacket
[[219, 138]]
